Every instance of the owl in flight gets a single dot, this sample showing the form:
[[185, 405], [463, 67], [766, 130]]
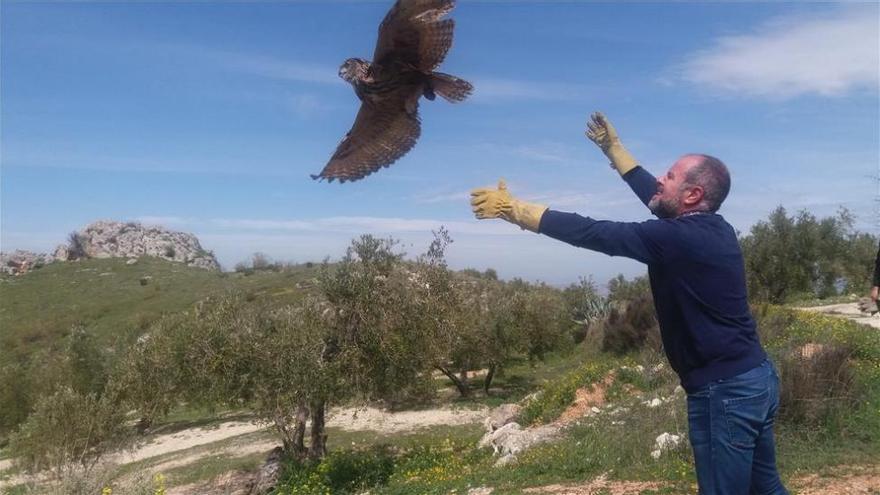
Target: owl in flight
[[413, 40]]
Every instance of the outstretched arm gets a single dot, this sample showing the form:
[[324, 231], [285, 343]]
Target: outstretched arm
[[639, 241]]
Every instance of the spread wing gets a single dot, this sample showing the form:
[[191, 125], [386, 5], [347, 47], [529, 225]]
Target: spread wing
[[381, 134], [415, 33]]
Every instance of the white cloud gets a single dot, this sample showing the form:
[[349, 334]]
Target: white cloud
[[787, 57]]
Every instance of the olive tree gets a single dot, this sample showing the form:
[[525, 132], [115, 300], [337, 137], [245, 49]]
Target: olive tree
[[801, 255]]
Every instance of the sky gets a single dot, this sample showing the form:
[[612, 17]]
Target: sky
[[208, 117]]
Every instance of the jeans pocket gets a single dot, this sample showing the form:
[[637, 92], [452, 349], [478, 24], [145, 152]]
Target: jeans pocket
[[745, 418]]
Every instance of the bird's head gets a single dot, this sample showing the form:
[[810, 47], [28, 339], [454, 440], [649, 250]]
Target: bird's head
[[354, 69]]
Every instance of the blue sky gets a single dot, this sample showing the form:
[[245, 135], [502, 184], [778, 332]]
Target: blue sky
[[208, 117]]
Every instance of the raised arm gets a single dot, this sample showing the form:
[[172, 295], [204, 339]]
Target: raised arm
[[642, 183], [601, 132]]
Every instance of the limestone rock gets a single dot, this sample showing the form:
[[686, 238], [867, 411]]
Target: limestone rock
[[109, 239], [511, 439], [502, 415], [664, 442], [61, 253], [20, 261]]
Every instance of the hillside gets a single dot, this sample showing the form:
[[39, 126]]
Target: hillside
[[115, 299]]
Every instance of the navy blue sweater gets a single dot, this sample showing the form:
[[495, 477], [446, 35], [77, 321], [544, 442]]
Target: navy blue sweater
[[697, 278]]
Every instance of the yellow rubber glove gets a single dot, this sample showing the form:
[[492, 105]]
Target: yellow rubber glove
[[498, 203], [601, 132]]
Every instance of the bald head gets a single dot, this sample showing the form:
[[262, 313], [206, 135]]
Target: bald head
[[711, 175]]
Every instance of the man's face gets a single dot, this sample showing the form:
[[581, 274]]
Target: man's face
[[668, 201]]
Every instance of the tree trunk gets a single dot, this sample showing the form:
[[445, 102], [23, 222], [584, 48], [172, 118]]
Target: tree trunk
[[286, 437], [299, 432], [461, 386], [318, 446], [144, 424], [292, 435], [489, 376]]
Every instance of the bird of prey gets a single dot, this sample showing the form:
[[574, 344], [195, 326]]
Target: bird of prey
[[413, 39]]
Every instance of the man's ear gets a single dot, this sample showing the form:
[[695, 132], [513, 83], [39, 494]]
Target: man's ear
[[694, 195]]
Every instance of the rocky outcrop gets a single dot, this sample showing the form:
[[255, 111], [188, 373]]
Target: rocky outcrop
[[511, 439], [19, 261], [107, 239]]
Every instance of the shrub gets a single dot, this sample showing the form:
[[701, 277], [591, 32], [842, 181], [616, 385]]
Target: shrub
[[76, 248], [68, 430], [555, 397], [816, 382], [262, 261], [344, 471], [85, 361], [621, 290], [585, 306], [14, 398], [631, 326]]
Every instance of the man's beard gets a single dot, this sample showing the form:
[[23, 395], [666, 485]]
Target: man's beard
[[664, 208]]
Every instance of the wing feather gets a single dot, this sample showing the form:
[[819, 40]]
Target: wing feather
[[380, 135], [415, 33]]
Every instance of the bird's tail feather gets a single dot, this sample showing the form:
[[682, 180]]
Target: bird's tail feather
[[451, 88]]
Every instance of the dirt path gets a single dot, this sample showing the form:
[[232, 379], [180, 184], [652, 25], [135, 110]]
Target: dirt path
[[349, 419], [847, 310], [369, 419], [848, 480]]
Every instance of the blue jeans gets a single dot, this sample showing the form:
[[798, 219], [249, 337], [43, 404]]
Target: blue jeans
[[731, 432]]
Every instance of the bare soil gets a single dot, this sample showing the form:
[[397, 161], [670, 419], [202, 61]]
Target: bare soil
[[849, 311]]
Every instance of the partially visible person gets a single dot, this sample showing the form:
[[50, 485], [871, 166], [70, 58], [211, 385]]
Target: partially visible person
[[875, 290]]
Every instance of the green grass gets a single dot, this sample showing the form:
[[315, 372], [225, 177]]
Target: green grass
[[520, 378], [445, 459], [212, 466], [598, 447], [38, 309], [106, 296], [810, 301]]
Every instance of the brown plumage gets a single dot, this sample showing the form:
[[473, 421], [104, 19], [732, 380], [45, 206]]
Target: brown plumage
[[413, 40]]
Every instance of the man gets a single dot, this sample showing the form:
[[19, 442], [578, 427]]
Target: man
[[875, 290], [697, 277]]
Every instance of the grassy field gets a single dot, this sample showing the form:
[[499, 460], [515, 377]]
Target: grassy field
[[115, 300]]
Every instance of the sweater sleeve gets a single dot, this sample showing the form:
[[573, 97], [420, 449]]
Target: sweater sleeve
[[642, 183], [642, 241], [877, 269]]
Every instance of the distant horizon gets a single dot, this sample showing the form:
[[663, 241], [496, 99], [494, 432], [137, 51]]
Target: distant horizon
[[228, 265], [209, 118]]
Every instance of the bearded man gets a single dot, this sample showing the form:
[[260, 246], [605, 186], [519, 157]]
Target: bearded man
[[697, 277]]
